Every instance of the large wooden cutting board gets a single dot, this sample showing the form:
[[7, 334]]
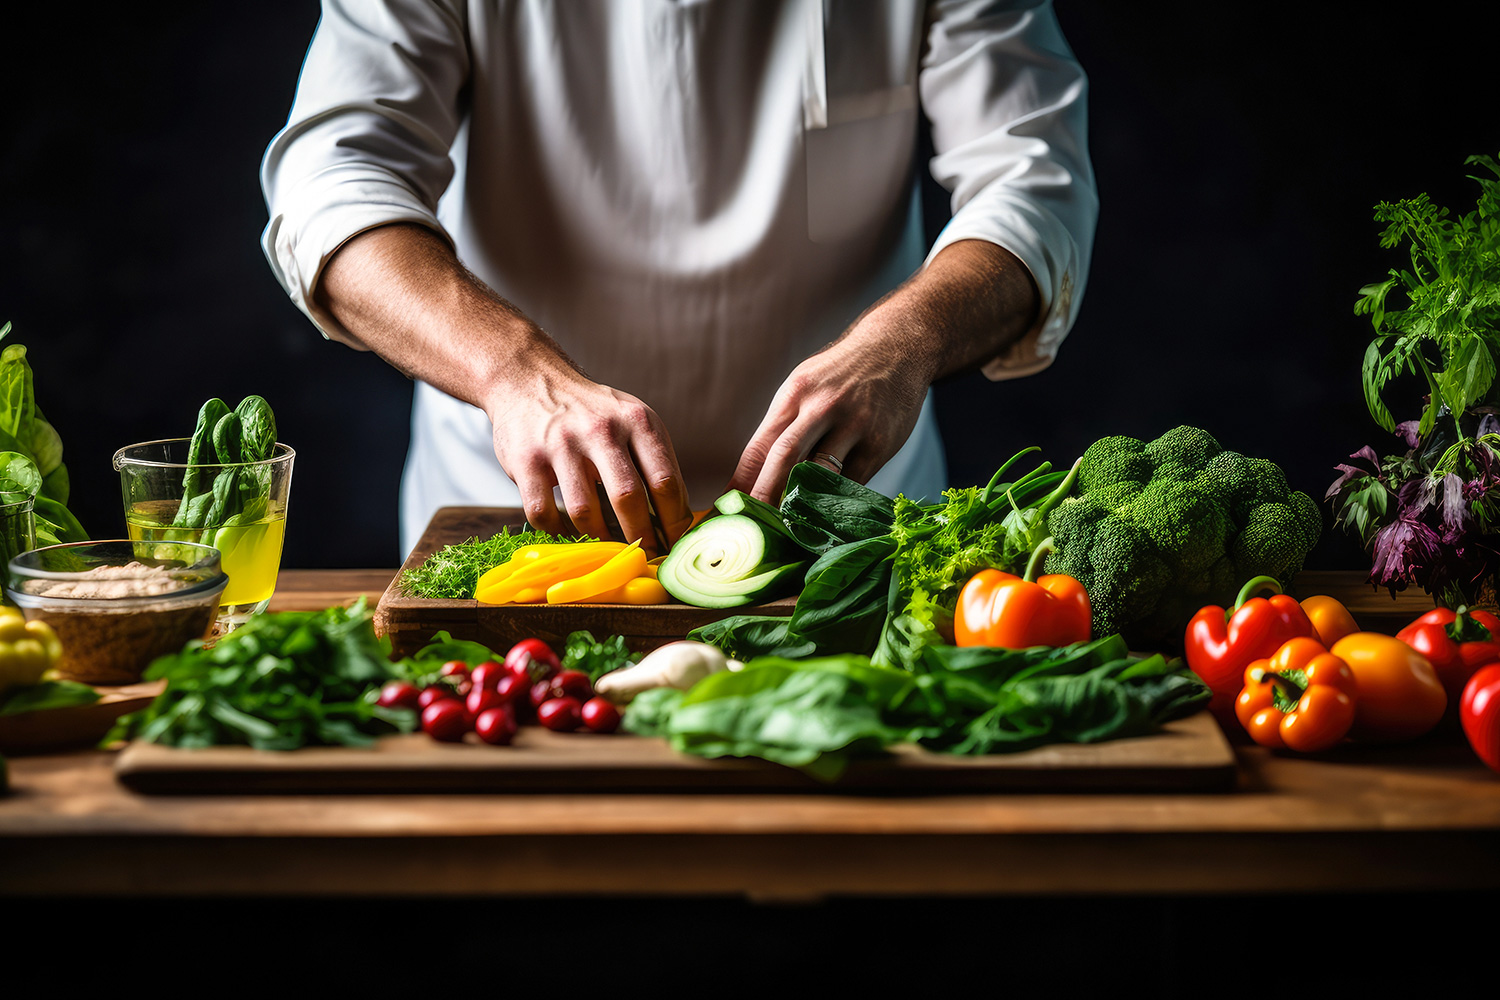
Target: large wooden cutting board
[[1189, 755], [410, 622]]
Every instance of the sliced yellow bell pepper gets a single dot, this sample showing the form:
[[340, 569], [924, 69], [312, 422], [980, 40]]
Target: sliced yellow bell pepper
[[622, 567], [641, 590], [568, 562]]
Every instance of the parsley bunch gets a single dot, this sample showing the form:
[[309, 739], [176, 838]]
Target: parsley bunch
[[452, 572]]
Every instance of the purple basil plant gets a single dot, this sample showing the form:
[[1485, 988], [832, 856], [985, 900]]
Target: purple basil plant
[[1430, 517]]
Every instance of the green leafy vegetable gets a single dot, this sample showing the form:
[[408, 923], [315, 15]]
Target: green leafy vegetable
[[47, 694], [279, 682], [240, 493], [583, 652], [452, 572], [816, 714], [31, 462]]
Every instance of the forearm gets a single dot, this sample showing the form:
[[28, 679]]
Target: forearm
[[968, 305], [403, 294]]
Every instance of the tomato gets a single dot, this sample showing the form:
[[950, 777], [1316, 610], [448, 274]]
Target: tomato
[[531, 659], [600, 716], [435, 693], [1479, 713], [561, 715], [399, 694], [454, 668], [572, 684], [1400, 696], [496, 725], [481, 700], [488, 674], [445, 720]]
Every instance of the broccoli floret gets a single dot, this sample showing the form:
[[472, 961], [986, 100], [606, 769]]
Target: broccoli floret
[[1114, 460], [1187, 446], [1152, 548]]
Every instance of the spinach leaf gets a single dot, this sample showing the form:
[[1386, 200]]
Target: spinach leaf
[[843, 601], [744, 637], [209, 414], [257, 428], [34, 463], [823, 510]]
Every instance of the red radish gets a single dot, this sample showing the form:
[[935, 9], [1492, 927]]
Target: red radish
[[445, 720], [481, 700], [531, 659], [488, 674], [561, 715], [399, 694], [572, 684], [454, 668], [435, 693], [496, 725], [600, 716]]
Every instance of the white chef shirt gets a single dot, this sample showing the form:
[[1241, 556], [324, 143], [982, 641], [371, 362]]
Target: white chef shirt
[[690, 197]]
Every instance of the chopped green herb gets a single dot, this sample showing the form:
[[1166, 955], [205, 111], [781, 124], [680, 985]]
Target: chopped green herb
[[452, 572]]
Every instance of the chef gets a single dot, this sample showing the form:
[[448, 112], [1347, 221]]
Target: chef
[[669, 247]]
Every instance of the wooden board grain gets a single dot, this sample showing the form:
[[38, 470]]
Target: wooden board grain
[[409, 622], [1188, 755]]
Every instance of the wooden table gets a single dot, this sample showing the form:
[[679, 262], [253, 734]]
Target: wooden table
[[1420, 817]]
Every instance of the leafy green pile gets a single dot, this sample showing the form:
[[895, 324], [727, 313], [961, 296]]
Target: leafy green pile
[[452, 572], [889, 571], [238, 494], [278, 682], [31, 453], [46, 695], [816, 714], [1159, 529]]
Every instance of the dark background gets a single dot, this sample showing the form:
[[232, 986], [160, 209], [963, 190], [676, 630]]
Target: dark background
[[1239, 150]]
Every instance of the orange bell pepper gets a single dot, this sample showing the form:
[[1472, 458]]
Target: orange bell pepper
[[1330, 619], [1302, 698], [1400, 696], [1002, 609]]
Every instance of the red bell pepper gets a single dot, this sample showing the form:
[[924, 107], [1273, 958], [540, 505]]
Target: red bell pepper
[[1221, 644], [1456, 643]]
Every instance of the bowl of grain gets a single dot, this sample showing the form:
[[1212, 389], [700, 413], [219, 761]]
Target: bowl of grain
[[117, 605]]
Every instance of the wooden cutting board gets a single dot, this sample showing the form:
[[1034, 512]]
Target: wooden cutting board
[[1189, 755], [410, 622]]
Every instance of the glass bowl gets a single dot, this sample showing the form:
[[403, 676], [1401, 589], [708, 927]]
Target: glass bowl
[[239, 509], [117, 605]]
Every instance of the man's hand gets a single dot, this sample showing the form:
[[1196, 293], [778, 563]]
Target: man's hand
[[400, 291], [857, 400]]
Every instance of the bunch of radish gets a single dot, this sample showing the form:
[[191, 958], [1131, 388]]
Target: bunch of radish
[[492, 699]]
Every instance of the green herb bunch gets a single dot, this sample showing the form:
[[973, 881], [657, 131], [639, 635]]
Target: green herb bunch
[[280, 681]]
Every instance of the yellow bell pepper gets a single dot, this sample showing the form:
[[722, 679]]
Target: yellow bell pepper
[[27, 649], [623, 567], [543, 570]]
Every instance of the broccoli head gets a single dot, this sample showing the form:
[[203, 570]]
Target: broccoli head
[[1157, 530]]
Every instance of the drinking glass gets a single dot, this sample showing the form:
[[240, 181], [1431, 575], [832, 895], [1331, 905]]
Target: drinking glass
[[17, 526], [238, 508]]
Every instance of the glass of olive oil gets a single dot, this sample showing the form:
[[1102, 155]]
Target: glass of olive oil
[[239, 509]]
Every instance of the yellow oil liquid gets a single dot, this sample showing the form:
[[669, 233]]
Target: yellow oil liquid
[[250, 554]]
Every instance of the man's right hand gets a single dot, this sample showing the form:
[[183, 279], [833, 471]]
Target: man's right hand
[[400, 291], [555, 427]]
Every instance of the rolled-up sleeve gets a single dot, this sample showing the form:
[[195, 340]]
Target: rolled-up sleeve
[[1007, 103], [367, 141]]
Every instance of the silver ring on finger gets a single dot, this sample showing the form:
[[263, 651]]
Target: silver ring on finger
[[833, 463]]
